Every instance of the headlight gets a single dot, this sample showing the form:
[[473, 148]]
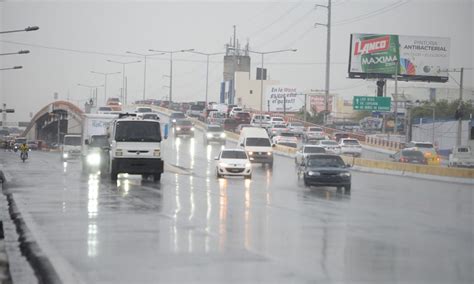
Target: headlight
[[65, 155], [192, 128], [118, 152], [250, 153], [248, 165], [157, 152], [209, 135], [93, 159], [178, 128], [222, 135], [311, 173], [174, 120], [269, 153], [345, 174]]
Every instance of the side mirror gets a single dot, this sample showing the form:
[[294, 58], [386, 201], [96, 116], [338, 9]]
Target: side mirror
[[273, 145], [86, 141], [216, 158], [241, 144], [348, 165]]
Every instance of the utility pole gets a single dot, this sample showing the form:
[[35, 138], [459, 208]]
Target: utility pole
[[305, 106], [328, 58], [459, 133], [395, 99], [234, 65]]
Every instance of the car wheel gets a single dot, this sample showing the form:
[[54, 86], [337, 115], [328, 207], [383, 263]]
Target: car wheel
[[296, 161], [347, 188], [218, 175], [248, 176], [305, 182], [113, 172], [156, 177]]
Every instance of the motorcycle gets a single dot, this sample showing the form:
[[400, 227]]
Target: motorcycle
[[15, 148], [23, 156]]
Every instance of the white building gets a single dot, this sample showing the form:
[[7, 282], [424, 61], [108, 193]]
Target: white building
[[247, 91]]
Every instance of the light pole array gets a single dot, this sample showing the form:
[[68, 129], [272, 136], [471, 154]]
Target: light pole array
[[105, 81], [124, 91], [28, 29], [171, 52], [261, 72], [144, 67], [207, 68]]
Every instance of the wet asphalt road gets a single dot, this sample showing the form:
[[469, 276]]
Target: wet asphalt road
[[192, 227]]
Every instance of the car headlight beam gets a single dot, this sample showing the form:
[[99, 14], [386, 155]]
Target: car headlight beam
[[93, 159]]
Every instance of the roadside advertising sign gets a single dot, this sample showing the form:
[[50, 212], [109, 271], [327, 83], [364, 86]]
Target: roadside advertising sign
[[281, 98], [417, 58]]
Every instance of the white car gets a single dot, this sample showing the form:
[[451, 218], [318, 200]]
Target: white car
[[277, 120], [296, 127], [143, 110], [262, 120], [330, 146], [350, 146], [233, 162], [276, 129], [313, 133], [284, 137], [307, 150], [235, 110]]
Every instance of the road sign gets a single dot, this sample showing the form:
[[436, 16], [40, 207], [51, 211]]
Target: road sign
[[371, 103]]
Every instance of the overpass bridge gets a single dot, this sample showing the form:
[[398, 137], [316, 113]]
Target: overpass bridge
[[55, 120]]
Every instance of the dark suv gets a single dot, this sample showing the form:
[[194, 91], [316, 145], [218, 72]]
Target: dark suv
[[242, 117]]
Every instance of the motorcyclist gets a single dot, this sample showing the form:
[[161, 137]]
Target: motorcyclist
[[24, 149]]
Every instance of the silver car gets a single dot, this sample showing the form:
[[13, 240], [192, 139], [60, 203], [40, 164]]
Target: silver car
[[307, 150]]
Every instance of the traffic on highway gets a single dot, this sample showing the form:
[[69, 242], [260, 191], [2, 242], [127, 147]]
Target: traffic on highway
[[325, 142]]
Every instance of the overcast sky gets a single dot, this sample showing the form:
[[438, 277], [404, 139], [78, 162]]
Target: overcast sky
[[77, 37]]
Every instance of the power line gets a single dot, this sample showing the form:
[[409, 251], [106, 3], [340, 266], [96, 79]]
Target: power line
[[374, 13]]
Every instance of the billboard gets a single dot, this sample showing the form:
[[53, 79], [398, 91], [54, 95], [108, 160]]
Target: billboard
[[281, 98], [418, 58], [318, 102]]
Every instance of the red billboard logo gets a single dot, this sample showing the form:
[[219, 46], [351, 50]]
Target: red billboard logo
[[372, 45]]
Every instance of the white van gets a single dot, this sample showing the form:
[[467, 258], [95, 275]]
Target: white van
[[257, 144]]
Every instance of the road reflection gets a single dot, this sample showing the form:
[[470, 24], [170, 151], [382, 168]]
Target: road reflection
[[92, 210]]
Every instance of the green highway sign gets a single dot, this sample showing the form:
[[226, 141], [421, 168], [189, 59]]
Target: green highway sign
[[371, 103]]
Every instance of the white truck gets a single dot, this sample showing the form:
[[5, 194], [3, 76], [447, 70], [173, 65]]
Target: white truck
[[135, 147], [461, 156], [94, 141], [71, 147], [257, 144]]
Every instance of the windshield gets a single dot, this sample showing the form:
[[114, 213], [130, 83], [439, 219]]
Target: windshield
[[314, 150], [178, 115], [287, 134], [261, 142], [150, 116], [296, 124], [329, 143], [351, 142], [214, 129], [463, 150], [412, 154], [72, 140], [138, 131], [424, 145], [184, 123], [277, 119], [144, 109], [197, 107], [315, 129], [233, 155], [99, 141], [20, 140], [325, 161]]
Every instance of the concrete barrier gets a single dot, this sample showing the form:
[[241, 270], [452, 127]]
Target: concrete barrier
[[406, 167]]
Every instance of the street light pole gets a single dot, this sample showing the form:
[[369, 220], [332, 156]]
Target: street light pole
[[11, 68], [28, 29], [261, 71], [144, 69], [207, 68], [124, 91], [91, 90], [171, 66], [105, 81], [16, 53]]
